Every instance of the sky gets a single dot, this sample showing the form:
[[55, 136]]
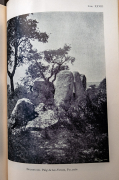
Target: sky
[[83, 31]]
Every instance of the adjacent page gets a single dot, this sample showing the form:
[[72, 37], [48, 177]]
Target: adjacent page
[[3, 94], [62, 89], [3, 2]]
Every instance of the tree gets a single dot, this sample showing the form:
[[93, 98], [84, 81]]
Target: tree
[[50, 63], [21, 30]]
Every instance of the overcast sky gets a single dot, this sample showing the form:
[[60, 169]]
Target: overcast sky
[[84, 31]]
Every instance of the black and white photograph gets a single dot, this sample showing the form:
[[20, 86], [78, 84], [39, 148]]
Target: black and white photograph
[[56, 88]]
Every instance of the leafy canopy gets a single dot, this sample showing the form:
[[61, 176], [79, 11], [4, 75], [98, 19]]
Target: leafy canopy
[[49, 63], [20, 31]]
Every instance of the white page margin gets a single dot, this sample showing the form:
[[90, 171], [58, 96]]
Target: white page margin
[[98, 171]]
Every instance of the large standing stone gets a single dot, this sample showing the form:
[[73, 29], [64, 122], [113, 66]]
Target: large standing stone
[[23, 112], [78, 87], [43, 92], [83, 80], [64, 88]]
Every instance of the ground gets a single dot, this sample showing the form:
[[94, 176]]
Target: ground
[[58, 144]]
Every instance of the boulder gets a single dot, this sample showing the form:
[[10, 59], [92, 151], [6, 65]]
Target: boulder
[[83, 80], [64, 88], [40, 107], [45, 119], [78, 87], [43, 92], [23, 112]]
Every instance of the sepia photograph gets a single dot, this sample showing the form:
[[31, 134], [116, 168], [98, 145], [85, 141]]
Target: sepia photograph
[[56, 88]]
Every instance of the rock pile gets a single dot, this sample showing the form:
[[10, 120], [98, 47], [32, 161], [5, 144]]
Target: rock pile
[[69, 91], [45, 118]]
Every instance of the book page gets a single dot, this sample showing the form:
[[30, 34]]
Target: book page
[[3, 95], [63, 100]]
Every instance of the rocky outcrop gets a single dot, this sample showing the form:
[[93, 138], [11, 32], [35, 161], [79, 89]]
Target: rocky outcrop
[[83, 80], [69, 90], [69, 87], [45, 118], [23, 112], [78, 87], [43, 92], [64, 88]]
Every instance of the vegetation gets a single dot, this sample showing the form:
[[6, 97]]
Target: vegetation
[[46, 65], [61, 146], [19, 48], [80, 136]]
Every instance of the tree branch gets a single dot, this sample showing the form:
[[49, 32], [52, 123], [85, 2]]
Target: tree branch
[[15, 61], [40, 71], [22, 41], [9, 73], [56, 74], [51, 72]]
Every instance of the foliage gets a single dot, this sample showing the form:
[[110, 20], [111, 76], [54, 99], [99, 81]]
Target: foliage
[[96, 110], [57, 145], [20, 31], [81, 136], [50, 63], [90, 111]]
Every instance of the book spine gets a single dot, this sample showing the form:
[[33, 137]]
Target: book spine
[[3, 2]]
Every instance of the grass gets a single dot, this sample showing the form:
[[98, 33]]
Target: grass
[[58, 145]]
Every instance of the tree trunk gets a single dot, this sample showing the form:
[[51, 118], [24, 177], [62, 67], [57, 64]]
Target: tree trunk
[[12, 84]]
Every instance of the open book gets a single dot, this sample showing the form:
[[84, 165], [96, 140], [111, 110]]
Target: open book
[[59, 106]]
